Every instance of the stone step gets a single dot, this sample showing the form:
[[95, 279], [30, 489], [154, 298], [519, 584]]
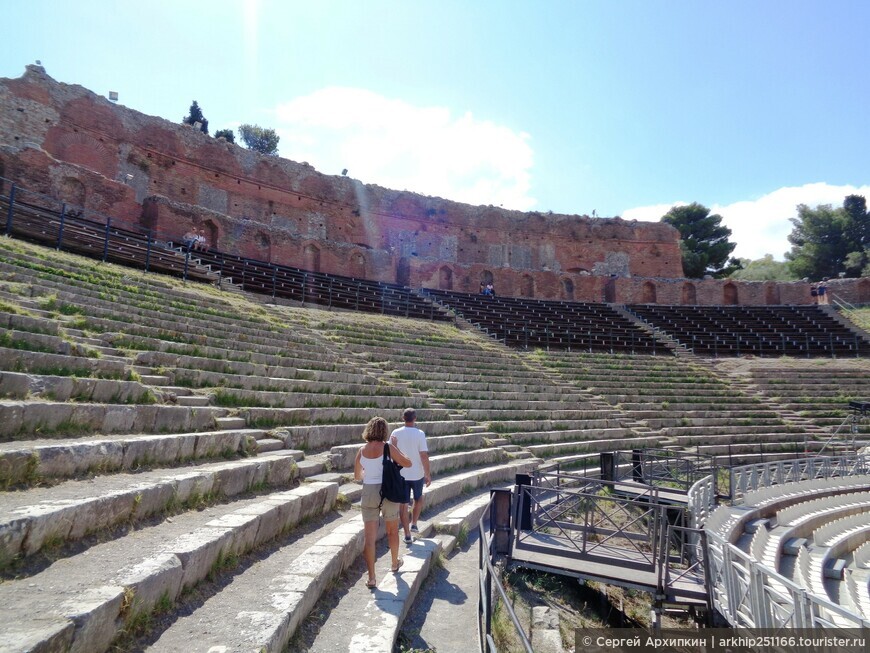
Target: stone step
[[154, 379], [309, 467], [328, 477], [519, 455], [477, 428], [31, 461], [72, 509], [342, 456], [510, 447], [265, 604], [84, 602], [115, 359], [21, 420], [368, 621], [230, 422], [563, 448], [108, 351], [193, 400], [176, 390], [15, 385], [592, 433], [269, 444]]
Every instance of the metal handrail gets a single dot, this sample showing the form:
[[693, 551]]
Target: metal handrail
[[488, 577], [748, 593]]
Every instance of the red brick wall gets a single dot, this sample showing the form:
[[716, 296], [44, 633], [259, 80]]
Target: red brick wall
[[66, 141]]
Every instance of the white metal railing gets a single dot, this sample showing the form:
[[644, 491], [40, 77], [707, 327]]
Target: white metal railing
[[751, 478], [748, 593], [751, 595]]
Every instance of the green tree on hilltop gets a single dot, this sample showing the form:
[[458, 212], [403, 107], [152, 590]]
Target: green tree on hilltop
[[195, 116], [827, 241], [226, 134], [703, 241], [764, 269], [259, 139]]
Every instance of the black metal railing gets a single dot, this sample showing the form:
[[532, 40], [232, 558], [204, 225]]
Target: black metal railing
[[491, 591]]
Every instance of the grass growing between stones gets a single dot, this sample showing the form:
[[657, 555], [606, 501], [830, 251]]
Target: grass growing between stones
[[579, 604]]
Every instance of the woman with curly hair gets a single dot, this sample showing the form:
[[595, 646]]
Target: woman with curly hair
[[368, 467]]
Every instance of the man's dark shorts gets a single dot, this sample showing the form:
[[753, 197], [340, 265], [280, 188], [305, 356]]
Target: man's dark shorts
[[416, 486]]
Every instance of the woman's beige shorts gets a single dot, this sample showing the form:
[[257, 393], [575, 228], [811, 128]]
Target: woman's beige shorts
[[371, 497]]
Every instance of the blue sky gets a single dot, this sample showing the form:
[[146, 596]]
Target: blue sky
[[618, 106]]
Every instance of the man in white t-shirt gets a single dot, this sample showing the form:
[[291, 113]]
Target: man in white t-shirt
[[412, 442]]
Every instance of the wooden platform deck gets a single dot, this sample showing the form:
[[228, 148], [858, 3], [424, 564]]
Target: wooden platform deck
[[611, 565]]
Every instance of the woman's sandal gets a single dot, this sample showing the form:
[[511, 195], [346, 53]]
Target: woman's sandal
[[372, 583], [398, 565]]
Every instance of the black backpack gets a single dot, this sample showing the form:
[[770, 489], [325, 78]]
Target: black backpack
[[393, 484]]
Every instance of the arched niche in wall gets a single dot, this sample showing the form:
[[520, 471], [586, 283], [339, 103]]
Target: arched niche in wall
[[610, 291], [211, 233], [729, 294], [567, 289], [648, 293], [485, 277], [771, 294], [264, 244], [311, 257], [689, 294], [358, 265], [527, 286], [864, 291], [445, 278], [72, 191], [403, 271]]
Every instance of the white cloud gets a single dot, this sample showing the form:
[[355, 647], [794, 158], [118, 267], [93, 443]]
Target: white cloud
[[761, 226], [397, 145]]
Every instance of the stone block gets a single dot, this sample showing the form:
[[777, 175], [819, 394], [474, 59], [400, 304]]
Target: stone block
[[348, 544], [276, 515], [73, 459], [198, 551], [151, 579], [193, 484], [18, 466], [171, 419], [94, 612], [51, 522], [15, 386], [152, 499], [281, 470], [12, 534], [147, 450], [215, 443], [122, 419], [244, 530], [51, 634], [312, 500], [101, 512], [266, 632]]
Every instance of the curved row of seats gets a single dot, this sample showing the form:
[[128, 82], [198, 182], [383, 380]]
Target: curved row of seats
[[814, 534]]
